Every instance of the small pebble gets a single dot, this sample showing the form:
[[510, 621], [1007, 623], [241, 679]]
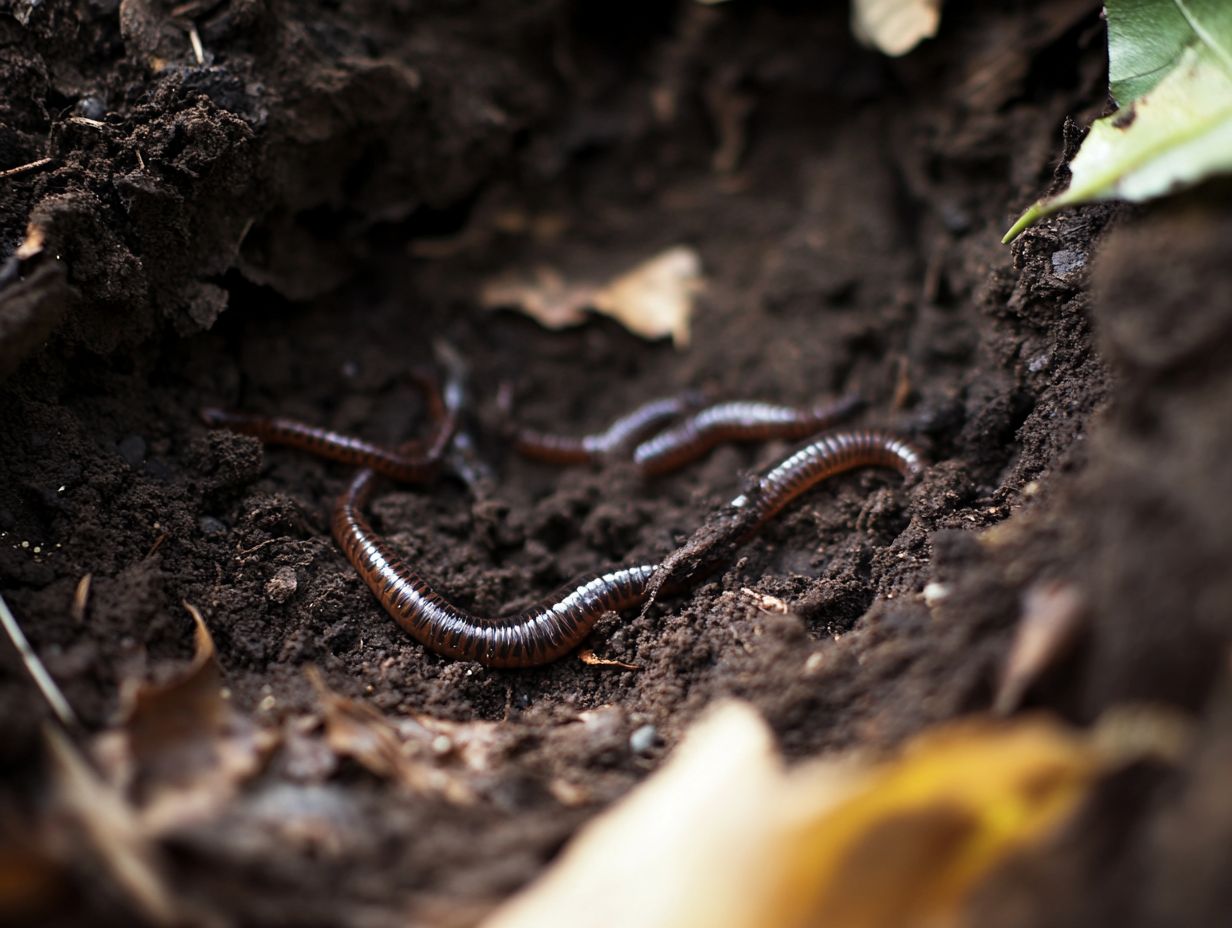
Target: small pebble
[[211, 526], [282, 585], [1068, 260], [955, 218], [935, 593], [132, 449], [1039, 362], [643, 739], [91, 108]]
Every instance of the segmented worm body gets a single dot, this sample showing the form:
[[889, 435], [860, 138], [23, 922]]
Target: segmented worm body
[[524, 639], [544, 633], [615, 439], [831, 454], [733, 525], [687, 441], [402, 463]]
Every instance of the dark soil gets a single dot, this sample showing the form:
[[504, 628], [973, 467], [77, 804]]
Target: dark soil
[[289, 226]]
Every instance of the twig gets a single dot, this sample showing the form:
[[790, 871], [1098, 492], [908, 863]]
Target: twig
[[158, 543], [195, 38], [22, 168], [42, 678], [81, 598]]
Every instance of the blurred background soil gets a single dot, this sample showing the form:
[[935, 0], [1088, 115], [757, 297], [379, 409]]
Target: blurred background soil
[[291, 223]]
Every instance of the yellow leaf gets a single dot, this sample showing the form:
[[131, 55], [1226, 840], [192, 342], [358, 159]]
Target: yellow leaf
[[725, 837]]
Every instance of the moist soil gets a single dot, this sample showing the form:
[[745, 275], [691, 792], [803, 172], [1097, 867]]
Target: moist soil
[[291, 224]]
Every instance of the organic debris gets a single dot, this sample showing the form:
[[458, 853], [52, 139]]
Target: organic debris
[[895, 27], [182, 751], [415, 752], [653, 299], [840, 843], [114, 829]]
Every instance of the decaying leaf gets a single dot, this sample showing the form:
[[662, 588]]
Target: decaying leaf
[[587, 656], [1171, 69], [114, 829], [32, 244], [895, 27], [653, 299], [725, 837], [414, 752], [182, 751]]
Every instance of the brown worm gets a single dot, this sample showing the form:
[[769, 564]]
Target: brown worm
[[544, 633], [616, 438], [402, 464], [687, 441], [731, 526], [829, 455], [538, 635]]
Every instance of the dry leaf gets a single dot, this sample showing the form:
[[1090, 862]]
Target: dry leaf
[[725, 837], [765, 602], [654, 299], [587, 656], [895, 27], [411, 753], [32, 244], [543, 294], [114, 829], [686, 848], [475, 745], [182, 750]]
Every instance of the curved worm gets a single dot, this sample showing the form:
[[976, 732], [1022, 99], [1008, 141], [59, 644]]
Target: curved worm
[[731, 526], [538, 635], [544, 633], [616, 438], [402, 463], [735, 422], [829, 455]]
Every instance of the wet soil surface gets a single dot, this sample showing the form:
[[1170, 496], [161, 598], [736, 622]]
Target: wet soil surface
[[290, 225]]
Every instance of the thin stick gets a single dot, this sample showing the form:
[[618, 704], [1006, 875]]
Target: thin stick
[[42, 678], [22, 168], [194, 37]]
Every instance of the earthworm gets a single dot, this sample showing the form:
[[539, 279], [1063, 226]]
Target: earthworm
[[544, 633], [830, 454], [731, 422], [405, 463], [616, 438], [400, 463], [733, 525], [534, 636]]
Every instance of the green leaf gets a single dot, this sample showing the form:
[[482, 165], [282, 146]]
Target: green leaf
[[1170, 65]]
